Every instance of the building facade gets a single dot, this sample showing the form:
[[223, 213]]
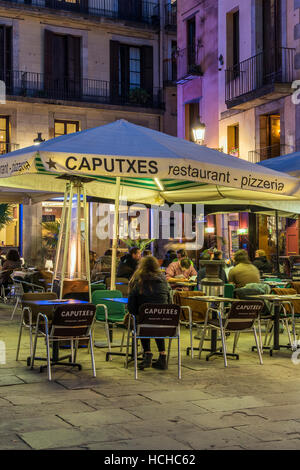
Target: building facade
[[241, 60], [68, 66]]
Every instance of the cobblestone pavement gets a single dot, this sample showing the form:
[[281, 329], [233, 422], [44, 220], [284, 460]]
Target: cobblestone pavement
[[246, 406]]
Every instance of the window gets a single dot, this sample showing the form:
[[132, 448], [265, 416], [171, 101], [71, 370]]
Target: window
[[191, 42], [5, 54], [233, 42], [62, 65], [4, 135], [191, 119], [65, 127], [233, 140], [131, 72]]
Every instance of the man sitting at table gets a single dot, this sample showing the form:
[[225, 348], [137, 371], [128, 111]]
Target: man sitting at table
[[180, 270], [244, 271]]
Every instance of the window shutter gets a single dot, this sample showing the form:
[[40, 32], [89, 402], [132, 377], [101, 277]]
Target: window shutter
[[74, 65], [2, 52], [147, 69], [48, 61], [114, 69]]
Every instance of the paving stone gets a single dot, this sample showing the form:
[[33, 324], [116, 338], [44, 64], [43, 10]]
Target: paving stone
[[167, 411], [225, 419], [291, 444], [10, 380], [95, 418], [230, 403], [279, 412], [31, 424], [60, 438], [12, 412], [12, 442], [214, 440], [158, 442], [273, 431], [174, 396]]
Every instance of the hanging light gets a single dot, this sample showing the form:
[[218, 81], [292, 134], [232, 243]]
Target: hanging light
[[38, 140], [199, 133]]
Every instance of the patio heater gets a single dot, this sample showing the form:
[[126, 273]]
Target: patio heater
[[212, 284], [72, 263]]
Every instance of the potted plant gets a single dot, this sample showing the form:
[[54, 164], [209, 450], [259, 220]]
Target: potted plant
[[141, 244], [139, 96]]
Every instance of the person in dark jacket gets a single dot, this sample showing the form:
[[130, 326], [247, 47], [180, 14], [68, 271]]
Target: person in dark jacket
[[261, 262], [129, 263], [148, 285], [12, 262]]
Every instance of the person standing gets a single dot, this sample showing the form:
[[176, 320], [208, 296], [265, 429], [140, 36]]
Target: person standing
[[149, 286]]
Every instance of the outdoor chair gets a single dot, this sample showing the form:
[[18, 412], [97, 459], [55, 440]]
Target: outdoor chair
[[18, 288], [111, 314], [30, 313], [69, 323], [240, 318], [289, 310], [157, 321], [193, 313]]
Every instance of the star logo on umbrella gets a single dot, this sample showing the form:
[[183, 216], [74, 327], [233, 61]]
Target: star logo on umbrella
[[51, 164]]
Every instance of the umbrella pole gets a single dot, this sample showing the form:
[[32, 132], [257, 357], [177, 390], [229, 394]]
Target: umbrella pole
[[277, 241], [86, 242], [67, 236], [115, 236]]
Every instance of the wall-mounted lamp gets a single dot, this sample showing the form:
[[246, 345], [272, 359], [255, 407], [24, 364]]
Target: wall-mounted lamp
[[210, 230], [38, 140], [242, 231], [199, 133]]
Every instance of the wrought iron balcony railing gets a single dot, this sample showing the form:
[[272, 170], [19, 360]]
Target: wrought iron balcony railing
[[272, 151], [6, 147], [265, 68], [189, 63], [142, 11], [171, 15], [39, 85]]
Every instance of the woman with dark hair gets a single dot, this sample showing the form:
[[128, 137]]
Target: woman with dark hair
[[244, 271], [12, 262], [149, 286]]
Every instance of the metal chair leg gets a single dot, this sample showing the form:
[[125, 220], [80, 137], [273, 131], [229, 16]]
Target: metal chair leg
[[20, 335], [48, 357], [257, 345], [235, 342], [169, 350], [179, 357], [135, 357], [92, 355]]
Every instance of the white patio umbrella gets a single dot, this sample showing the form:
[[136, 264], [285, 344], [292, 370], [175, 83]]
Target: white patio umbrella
[[148, 166], [289, 163]]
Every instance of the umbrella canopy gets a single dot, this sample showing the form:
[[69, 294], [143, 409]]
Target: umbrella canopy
[[289, 163], [152, 166]]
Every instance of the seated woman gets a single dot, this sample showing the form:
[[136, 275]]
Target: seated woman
[[182, 269], [244, 271], [148, 285], [11, 263]]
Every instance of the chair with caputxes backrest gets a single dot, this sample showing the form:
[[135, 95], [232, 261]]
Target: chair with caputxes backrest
[[240, 318], [72, 323], [193, 313], [30, 313], [157, 321]]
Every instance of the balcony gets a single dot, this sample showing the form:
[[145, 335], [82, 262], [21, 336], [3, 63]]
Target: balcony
[[140, 11], [40, 86], [171, 16], [264, 77], [256, 156], [189, 64], [170, 71]]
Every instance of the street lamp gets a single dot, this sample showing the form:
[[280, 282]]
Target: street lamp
[[199, 133], [38, 140]]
